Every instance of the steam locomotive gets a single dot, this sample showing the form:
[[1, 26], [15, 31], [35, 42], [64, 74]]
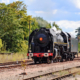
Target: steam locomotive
[[45, 45]]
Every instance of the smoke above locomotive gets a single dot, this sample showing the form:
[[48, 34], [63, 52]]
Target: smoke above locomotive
[[45, 45]]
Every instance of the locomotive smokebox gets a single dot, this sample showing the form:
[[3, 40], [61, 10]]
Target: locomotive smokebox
[[41, 38]]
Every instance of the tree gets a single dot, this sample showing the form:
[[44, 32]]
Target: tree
[[10, 29], [42, 23], [78, 33], [20, 8], [57, 27], [14, 25]]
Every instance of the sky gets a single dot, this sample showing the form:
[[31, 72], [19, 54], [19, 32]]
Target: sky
[[65, 13]]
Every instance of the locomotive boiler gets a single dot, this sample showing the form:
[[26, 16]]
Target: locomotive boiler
[[45, 45]]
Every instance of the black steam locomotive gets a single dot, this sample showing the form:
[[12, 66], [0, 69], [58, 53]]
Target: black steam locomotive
[[45, 45]]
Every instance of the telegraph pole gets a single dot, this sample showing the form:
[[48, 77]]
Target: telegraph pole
[[28, 38], [29, 35], [29, 27]]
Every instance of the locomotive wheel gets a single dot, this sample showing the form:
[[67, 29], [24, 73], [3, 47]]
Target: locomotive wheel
[[56, 60], [61, 60], [72, 57], [77, 55], [51, 61], [35, 61], [48, 61], [40, 61]]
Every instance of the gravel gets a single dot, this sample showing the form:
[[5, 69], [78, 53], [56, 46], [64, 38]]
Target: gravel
[[36, 69], [77, 77]]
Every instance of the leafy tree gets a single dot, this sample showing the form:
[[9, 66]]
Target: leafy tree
[[57, 27], [34, 24], [42, 22], [78, 33], [20, 8], [10, 29], [14, 25]]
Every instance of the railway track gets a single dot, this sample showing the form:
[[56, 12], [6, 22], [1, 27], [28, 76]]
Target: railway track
[[64, 76], [18, 63], [15, 64], [56, 75]]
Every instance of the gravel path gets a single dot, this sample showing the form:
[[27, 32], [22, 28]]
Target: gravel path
[[32, 70]]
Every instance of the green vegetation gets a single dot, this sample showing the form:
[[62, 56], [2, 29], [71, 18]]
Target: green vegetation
[[78, 46], [12, 57], [42, 22], [14, 30], [78, 34], [14, 26], [78, 31], [57, 27], [0, 44]]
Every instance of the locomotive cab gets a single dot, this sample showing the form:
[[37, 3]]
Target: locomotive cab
[[73, 43]]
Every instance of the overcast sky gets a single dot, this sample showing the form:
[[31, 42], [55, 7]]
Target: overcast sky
[[66, 13]]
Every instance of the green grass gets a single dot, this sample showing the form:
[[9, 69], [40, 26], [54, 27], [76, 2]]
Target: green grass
[[13, 57], [5, 52]]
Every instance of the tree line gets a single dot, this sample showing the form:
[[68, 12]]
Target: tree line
[[14, 26]]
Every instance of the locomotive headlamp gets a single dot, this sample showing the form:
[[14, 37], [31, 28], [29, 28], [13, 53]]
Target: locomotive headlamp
[[48, 50], [29, 50], [40, 38]]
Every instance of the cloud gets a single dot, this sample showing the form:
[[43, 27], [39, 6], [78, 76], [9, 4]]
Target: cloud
[[54, 11], [67, 26], [77, 13], [39, 12], [76, 3], [30, 2], [5, 1], [46, 12], [73, 33]]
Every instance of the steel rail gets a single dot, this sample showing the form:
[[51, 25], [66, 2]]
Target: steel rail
[[63, 76], [15, 64], [50, 73]]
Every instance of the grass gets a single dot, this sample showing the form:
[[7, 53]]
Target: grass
[[12, 57], [64, 72], [5, 52], [78, 46], [61, 73]]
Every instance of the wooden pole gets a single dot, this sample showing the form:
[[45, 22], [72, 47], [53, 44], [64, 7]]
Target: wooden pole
[[28, 39]]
